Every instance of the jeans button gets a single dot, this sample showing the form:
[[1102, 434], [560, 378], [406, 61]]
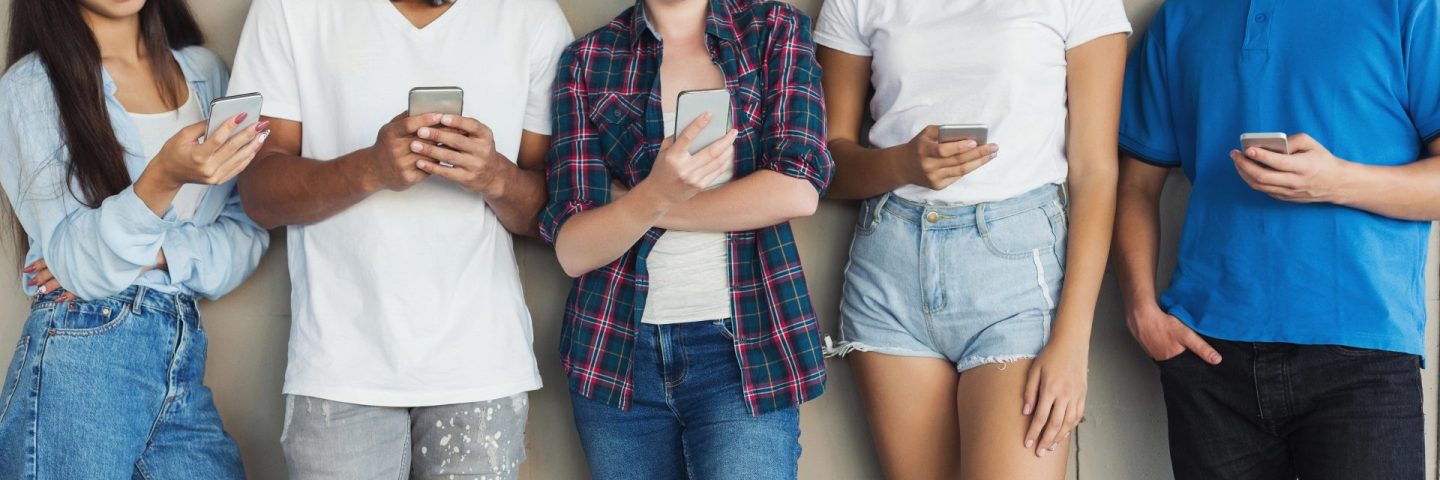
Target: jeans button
[[932, 217]]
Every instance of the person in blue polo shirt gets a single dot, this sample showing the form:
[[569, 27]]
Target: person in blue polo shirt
[[1289, 339]]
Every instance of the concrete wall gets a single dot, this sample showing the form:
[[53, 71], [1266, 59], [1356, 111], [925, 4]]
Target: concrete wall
[[1123, 438]]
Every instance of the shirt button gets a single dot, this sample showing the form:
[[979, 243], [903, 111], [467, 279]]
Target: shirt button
[[932, 217], [1261, 18]]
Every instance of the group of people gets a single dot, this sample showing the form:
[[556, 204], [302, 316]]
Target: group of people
[[1289, 339]]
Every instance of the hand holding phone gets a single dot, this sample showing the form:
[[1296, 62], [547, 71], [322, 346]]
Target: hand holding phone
[[939, 156], [1273, 141], [685, 167], [229, 140]]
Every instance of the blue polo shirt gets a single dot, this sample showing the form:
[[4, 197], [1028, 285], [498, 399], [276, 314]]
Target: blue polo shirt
[[1362, 78]]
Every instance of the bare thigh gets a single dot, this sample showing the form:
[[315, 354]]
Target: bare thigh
[[910, 402], [992, 427]]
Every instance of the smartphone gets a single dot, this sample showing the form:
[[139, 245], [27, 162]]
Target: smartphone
[[1272, 141], [965, 131], [224, 109], [692, 104], [446, 100]]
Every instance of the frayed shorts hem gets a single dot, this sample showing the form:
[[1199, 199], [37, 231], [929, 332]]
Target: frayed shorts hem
[[980, 361], [844, 348]]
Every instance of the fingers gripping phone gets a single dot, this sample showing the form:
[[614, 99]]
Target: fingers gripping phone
[[694, 103], [1272, 141], [192, 197], [446, 100], [224, 109], [965, 131]]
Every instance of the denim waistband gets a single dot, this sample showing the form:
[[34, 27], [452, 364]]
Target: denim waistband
[[958, 216], [138, 298]]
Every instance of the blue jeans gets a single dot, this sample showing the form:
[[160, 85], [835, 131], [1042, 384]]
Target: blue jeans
[[1277, 411], [112, 388], [687, 417]]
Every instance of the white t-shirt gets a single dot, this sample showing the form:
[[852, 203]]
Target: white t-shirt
[[689, 271], [157, 128], [995, 62], [408, 298]]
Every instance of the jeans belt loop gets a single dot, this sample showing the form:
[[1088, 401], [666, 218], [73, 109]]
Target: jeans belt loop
[[981, 224], [140, 292], [879, 208]]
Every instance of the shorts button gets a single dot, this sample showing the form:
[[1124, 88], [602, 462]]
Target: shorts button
[[932, 217]]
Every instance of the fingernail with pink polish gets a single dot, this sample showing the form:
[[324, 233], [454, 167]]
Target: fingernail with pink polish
[[241, 117], [262, 126]]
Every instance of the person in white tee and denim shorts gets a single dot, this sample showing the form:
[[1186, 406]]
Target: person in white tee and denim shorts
[[968, 338], [411, 344]]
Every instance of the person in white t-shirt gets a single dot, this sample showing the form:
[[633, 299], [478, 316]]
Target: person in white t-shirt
[[410, 345], [959, 308]]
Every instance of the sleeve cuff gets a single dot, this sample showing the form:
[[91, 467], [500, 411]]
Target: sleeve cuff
[[555, 216], [1146, 154], [1088, 35], [830, 41], [179, 260], [133, 217], [804, 169]]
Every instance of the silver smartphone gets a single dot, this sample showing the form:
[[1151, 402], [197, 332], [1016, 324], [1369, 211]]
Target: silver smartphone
[[965, 131], [692, 104], [224, 109], [446, 100], [1273, 141]]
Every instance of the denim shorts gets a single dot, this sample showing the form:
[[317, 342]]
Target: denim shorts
[[974, 285]]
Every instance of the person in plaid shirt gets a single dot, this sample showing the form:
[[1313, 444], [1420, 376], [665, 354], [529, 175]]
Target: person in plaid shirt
[[689, 331]]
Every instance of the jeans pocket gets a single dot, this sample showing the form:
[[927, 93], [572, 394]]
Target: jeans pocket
[[12, 375], [1019, 235], [80, 318], [726, 327]]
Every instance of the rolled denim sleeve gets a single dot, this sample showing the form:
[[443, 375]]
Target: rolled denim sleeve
[[793, 136], [577, 178], [212, 259], [92, 252]]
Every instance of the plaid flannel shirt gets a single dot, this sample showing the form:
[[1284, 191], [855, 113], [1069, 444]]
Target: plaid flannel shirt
[[608, 124]]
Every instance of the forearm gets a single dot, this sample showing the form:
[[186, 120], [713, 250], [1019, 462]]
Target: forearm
[[1137, 244], [282, 189], [1406, 192], [517, 199], [1092, 223], [863, 172], [213, 259], [597, 237], [761, 199]]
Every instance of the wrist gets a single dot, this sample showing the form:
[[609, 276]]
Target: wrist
[[897, 159], [152, 180], [497, 185], [652, 198], [358, 170], [1351, 175]]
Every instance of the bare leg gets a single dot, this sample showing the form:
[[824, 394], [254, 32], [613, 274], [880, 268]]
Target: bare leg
[[989, 403], [910, 402]]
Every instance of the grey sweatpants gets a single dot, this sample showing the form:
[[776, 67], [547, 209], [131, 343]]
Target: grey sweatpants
[[325, 439]]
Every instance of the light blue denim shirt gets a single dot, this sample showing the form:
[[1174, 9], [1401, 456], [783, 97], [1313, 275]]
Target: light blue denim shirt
[[99, 252]]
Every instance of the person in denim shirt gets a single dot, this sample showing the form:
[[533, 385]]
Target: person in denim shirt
[[118, 252]]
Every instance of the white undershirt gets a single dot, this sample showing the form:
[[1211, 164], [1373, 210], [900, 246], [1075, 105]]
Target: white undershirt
[[689, 271], [155, 129]]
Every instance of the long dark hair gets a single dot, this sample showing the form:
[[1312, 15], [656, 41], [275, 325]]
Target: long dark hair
[[56, 31]]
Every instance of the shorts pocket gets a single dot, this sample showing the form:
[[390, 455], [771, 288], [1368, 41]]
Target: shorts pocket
[[1019, 235], [89, 318], [12, 375]]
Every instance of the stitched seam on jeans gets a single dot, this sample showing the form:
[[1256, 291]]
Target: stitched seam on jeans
[[21, 357]]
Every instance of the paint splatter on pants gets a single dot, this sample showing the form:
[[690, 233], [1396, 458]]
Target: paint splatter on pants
[[325, 439]]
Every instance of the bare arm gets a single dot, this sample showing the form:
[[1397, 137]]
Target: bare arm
[[862, 172], [1409, 192], [762, 199], [282, 188], [1137, 231], [1312, 175], [1057, 384]]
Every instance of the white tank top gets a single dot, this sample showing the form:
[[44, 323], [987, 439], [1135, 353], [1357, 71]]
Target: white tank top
[[689, 271], [157, 128]]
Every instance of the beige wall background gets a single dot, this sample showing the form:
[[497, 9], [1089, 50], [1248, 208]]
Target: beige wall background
[[1123, 437]]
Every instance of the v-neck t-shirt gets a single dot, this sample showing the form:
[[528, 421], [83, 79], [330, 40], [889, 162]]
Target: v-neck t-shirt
[[406, 298]]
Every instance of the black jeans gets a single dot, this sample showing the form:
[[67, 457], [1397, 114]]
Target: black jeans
[[1281, 411]]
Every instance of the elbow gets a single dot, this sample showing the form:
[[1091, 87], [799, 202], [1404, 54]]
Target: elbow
[[804, 202], [572, 267], [261, 216]]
